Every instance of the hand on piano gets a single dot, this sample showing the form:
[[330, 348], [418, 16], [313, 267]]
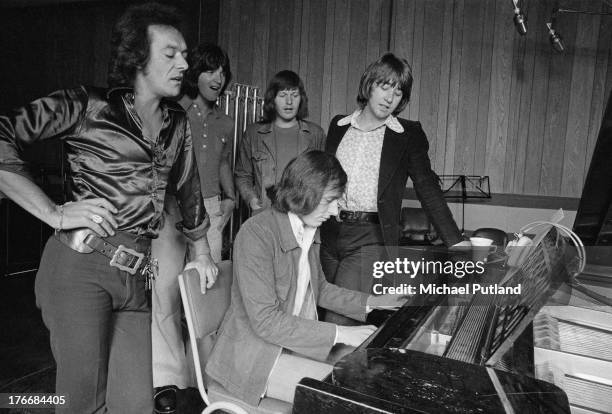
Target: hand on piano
[[354, 335], [388, 301]]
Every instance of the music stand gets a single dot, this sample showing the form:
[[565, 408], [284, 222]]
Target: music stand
[[465, 187]]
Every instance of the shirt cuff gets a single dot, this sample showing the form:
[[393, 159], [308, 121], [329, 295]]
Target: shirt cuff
[[197, 232]]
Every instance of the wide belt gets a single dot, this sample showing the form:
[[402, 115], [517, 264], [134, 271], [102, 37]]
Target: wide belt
[[348, 216], [121, 256]]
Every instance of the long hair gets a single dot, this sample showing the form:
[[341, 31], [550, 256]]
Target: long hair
[[305, 180], [389, 69], [283, 80], [203, 58], [130, 43]]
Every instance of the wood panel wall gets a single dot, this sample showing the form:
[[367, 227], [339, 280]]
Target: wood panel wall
[[491, 102]]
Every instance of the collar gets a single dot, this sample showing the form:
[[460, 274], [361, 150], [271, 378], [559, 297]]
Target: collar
[[288, 239], [391, 122], [128, 94], [303, 235], [266, 127], [190, 104]]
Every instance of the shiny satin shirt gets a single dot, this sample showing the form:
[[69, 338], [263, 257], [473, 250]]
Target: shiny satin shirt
[[109, 157]]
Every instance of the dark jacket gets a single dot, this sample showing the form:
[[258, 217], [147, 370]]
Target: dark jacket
[[259, 322], [404, 155]]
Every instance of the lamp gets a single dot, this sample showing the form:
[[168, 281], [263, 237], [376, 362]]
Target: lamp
[[520, 20]]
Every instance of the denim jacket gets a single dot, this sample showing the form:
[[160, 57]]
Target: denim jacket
[[256, 164]]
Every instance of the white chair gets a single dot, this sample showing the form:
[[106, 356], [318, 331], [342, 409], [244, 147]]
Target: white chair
[[204, 314]]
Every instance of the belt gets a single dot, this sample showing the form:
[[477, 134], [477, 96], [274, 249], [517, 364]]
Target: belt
[[348, 216], [121, 257]]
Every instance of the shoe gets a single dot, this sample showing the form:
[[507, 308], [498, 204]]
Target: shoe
[[165, 399]]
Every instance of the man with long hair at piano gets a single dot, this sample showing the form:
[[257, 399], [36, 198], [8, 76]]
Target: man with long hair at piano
[[271, 337]]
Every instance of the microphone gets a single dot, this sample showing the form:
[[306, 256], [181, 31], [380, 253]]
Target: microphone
[[520, 20], [555, 39]]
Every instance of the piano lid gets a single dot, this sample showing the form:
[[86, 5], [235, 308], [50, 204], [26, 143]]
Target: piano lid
[[593, 222]]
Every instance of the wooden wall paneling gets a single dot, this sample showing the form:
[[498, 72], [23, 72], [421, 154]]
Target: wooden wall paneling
[[339, 69], [386, 25], [402, 42], [375, 32], [272, 64], [413, 109], [328, 63], [501, 73], [441, 139], [469, 81], [283, 22], [296, 36], [484, 87], [223, 29], [273, 39], [491, 102], [557, 103], [453, 94], [516, 91], [356, 56], [539, 109], [245, 29], [599, 97], [580, 97], [229, 36], [523, 75], [209, 12], [433, 30], [304, 36], [261, 42], [316, 57]]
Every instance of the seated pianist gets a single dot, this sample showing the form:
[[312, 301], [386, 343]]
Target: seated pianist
[[270, 337]]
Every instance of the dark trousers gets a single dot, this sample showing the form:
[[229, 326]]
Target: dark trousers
[[348, 251], [100, 329]]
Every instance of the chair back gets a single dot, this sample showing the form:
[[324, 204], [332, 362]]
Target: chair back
[[206, 310], [204, 314]]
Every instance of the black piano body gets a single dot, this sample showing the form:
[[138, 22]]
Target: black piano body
[[411, 364]]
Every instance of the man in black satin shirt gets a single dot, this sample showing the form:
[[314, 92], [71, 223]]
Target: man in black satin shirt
[[125, 147]]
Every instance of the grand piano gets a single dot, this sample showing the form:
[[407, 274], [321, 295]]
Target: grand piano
[[496, 353], [447, 353]]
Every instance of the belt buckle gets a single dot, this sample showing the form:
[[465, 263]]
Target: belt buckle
[[123, 249], [351, 215]]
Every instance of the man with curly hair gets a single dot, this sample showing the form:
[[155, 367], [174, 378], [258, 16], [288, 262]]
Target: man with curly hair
[[125, 147]]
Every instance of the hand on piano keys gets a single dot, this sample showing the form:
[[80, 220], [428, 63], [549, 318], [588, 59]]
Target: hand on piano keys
[[353, 335], [386, 302]]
